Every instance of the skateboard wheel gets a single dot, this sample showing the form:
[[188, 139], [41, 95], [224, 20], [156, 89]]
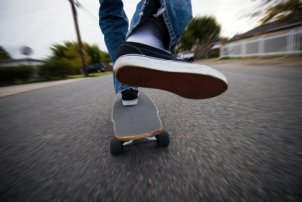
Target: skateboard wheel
[[116, 147], [163, 139]]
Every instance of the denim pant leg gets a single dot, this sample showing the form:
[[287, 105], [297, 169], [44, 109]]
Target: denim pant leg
[[114, 25], [176, 14]]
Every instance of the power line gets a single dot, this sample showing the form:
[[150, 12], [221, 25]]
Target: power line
[[85, 10]]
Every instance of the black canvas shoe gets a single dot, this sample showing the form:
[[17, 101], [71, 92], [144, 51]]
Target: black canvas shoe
[[130, 97], [145, 66]]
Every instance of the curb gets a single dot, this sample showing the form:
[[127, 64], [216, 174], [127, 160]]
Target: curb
[[17, 89]]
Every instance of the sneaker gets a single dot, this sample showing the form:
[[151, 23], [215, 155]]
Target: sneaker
[[145, 66], [130, 97]]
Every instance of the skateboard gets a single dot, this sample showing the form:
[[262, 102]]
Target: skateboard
[[131, 123]]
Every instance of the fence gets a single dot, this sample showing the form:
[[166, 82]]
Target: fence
[[280, 43]]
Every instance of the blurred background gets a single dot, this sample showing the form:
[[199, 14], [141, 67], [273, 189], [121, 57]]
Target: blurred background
[[42, 34]]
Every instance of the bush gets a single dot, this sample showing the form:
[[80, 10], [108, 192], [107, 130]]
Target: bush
[[6, 75], [10, 75], [24, 73], [56, 69]]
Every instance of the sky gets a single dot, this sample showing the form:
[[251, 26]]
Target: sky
[[40, 24]]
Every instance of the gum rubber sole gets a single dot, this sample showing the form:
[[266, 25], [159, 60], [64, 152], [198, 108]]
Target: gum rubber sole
[[188, 80]]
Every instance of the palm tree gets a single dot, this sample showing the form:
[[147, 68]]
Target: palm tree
[[278, 10], [200, 35]]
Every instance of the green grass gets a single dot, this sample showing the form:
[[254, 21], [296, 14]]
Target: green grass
[[99, 74], [78, 76]]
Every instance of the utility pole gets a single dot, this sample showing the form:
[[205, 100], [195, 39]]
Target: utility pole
[[74, 13]]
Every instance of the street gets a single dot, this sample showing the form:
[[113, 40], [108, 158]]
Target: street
[[244, 145]]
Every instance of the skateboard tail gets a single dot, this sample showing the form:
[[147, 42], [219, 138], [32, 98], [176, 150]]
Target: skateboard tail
[[138, 136], [136, 122]]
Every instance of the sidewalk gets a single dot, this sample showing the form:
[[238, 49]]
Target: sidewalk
[[12, 90]]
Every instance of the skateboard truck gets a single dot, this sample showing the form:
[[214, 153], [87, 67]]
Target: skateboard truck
[[117, 147]]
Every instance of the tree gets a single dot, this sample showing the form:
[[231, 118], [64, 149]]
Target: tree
[[73, 55], [4, 55], [68, 53], [96, 54], [58, 51], [278, 10], [200, 35], [26, 50], [69, 50], [105, 57]]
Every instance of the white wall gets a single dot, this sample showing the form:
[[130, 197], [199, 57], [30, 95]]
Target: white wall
[[288, 42]]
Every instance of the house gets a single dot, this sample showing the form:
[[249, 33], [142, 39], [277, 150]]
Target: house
[[20, 62], [275, 38]]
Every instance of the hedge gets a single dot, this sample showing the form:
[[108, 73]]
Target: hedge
[[11, 75], [56, 69]]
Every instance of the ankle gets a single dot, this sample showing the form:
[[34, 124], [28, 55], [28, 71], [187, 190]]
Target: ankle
[[152, 32]]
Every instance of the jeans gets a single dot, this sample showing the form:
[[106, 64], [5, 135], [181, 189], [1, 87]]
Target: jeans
[[114, 23]]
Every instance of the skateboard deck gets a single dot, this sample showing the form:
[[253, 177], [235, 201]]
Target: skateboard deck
[[136, 122], [132, 122]]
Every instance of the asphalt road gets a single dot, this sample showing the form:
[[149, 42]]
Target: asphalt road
[[245, 145]]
